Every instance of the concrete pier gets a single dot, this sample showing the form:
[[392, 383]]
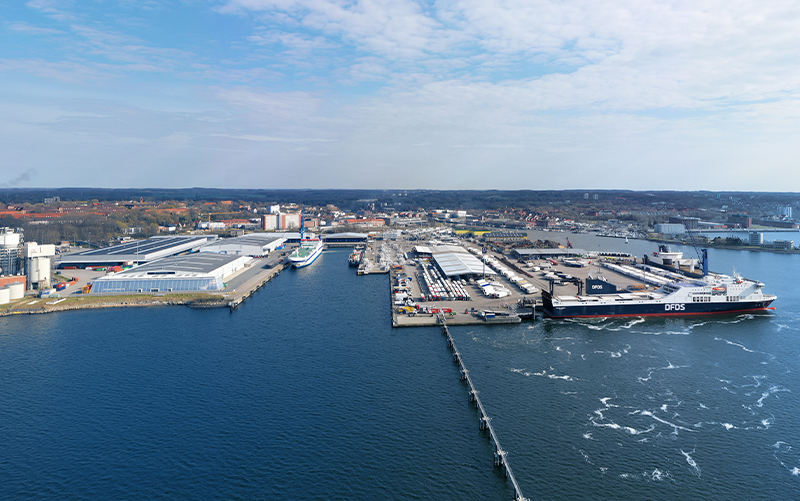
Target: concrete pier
[[248, 288], [485, 423]]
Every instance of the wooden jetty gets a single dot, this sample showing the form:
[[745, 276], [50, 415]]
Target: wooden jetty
[[500, 456]]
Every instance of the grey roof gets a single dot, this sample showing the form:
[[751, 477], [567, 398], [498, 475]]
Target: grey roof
[[201, 263], [253, 239], [138, 250], [457, 263], [550, 252], [439, 249], [333, 236]]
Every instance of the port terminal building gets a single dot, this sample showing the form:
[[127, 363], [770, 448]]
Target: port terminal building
[[453, 260], [528, 254], [345, 239], [461, 264], [252, 244], [136, 251], [201, 271]]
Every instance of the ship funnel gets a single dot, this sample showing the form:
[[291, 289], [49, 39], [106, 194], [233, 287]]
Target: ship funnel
[[705, 262]]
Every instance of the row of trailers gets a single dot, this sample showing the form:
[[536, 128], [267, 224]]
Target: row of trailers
[[439, 287]]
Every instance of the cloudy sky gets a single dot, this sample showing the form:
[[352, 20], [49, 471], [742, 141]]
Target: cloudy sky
[[441, 94]]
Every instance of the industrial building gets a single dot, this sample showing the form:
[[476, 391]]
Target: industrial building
[[280, 221], [455, 264], [202, 271], [527, 254], [38, 262], [252, 244], [345, 239], [137, 251], [504, 236], [10, 252], [669, 228]]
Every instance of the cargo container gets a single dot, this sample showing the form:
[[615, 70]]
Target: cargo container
[[61, 286]]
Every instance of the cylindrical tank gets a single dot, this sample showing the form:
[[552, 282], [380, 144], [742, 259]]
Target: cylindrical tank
[[38, 269], [17, 290], [5, 295]]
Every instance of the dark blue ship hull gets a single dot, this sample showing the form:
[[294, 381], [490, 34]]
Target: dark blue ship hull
[[647, 309]]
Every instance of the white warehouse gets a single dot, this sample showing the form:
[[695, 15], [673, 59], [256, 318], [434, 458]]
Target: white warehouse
[[203, 271], [253, 244]]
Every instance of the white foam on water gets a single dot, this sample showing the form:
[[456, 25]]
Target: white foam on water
[[603, 470], [605, 400], [657, 475], [634, 431], [734, 344], [772, 389], [565, 377], [703, 406], [674, 426], [691, 462], [588, 436], [633, 322], [669, 333], [727, 426], [796, 471], [664, 407], [613, 426]]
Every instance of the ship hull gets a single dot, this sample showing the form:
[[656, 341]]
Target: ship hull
[[302, 262], [649, 308]]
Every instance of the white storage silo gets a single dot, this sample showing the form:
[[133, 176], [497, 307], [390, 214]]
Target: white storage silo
[[5, 295]]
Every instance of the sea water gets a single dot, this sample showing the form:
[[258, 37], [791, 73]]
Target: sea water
[[306, 392]]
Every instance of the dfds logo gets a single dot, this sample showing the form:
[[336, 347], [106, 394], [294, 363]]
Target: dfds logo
[[597, 287], [675, 307]]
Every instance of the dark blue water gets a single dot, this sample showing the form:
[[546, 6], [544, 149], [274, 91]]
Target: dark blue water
[[305, 392]]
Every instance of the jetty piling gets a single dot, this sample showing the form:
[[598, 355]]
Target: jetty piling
[[485, 422]]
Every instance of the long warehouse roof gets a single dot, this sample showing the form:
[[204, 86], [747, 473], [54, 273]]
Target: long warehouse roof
[[550, 252], [199, 263], [457, 263], [138, 250]]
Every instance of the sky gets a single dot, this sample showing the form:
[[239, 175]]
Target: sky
[[441, 94]]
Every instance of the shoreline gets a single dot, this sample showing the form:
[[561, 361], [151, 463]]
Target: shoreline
[[232, 300], [724, 246], [78, 303]]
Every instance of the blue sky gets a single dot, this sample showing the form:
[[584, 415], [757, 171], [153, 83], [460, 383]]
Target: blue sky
[[446, 94]]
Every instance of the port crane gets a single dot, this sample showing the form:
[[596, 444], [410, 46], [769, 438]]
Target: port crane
[[702, 254]]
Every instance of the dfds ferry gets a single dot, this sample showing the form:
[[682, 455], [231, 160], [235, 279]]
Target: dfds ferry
[[713, 293]]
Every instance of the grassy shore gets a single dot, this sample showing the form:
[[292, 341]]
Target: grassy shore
[[32, 305]]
